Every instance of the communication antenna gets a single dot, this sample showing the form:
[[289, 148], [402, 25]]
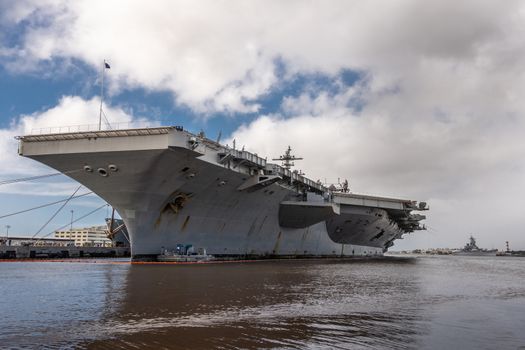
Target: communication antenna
[[288, 158], [104, 67]]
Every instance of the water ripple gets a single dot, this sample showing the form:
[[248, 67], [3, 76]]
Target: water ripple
[[442, 302]]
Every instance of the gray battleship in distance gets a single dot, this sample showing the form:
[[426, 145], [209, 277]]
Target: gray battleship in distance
[[472, 249], [173, 188]]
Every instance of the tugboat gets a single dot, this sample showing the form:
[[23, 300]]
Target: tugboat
[[471, 248]]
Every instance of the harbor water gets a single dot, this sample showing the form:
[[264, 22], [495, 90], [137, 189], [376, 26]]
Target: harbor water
[[441, 302]]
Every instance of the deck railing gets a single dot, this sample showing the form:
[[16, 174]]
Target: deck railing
[[94, 127]]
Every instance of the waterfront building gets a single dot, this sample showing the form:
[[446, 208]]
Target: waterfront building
[[95, 236]]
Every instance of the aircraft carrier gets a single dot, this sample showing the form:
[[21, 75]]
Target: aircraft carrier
[[174, 188]]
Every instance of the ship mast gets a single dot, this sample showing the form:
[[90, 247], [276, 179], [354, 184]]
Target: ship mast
[[101, 112], [288, 158]]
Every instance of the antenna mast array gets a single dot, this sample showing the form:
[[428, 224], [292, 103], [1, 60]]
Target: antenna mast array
[[288, 158]]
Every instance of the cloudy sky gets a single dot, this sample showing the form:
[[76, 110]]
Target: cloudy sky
[[406, 98]]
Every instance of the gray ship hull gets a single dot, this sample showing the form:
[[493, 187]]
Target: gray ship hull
[[169, 194]]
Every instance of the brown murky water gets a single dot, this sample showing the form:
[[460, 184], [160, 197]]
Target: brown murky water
[[433, 303]]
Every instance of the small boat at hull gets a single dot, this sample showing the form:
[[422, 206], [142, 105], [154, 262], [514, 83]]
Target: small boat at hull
[[185, 254]]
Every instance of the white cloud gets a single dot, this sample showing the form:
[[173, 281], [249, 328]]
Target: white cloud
[[74, 113], [214, 56]]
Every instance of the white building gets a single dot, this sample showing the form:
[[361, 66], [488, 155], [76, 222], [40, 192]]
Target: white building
[[96, 236]]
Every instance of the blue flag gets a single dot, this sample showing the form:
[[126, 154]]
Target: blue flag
[[106, 65]]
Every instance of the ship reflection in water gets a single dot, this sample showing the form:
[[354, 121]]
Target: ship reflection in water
[[435, 302]]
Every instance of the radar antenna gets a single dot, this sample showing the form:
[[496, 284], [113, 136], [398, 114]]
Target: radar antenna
[[288, 158]]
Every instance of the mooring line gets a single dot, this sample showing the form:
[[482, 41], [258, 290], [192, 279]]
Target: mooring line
[[66, 225], [43, 206], [31, 178], [56, 212]]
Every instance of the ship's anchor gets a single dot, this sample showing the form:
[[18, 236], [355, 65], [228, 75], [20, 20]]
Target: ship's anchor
[[176, 203]]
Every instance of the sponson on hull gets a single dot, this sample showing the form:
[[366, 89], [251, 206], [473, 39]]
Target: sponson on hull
[[172, 187]]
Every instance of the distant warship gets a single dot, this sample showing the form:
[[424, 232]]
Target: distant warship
[[471, 248], [176, 189]]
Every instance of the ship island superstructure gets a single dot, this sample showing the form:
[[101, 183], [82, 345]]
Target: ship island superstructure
[[172, 188]]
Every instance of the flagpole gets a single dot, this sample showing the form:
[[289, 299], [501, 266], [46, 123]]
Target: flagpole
[[101, 95]]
